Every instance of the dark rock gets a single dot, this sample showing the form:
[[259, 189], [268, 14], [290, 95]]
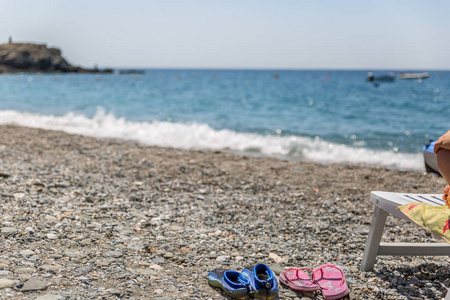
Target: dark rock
[[27, 57]]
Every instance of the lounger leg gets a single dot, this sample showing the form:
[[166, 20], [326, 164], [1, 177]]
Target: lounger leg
[[374, 238]]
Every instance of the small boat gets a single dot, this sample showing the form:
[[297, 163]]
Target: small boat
[[381, 78], [422, 75], [430, 159], [131, 72]]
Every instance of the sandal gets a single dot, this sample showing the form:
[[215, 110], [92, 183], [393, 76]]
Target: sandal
[[331, 280], [298, 280], [233, 283], [263, 281]]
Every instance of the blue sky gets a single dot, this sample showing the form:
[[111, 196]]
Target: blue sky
[[247, 34]]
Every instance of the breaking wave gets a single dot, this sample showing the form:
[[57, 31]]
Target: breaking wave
[[196, 136]]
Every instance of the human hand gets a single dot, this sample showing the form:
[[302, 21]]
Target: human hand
[[445, 196], [442, 142]]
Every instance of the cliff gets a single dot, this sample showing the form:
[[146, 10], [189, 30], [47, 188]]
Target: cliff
[[24, 57]]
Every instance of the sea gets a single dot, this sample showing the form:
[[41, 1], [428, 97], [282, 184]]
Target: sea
[[323, 116]]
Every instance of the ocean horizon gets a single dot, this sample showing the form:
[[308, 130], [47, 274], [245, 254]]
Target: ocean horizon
[[324, 116]]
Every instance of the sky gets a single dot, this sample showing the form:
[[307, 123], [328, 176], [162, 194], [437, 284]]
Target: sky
[[237, 34]]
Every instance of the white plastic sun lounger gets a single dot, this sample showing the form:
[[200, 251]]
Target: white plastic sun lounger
[[386, 203]]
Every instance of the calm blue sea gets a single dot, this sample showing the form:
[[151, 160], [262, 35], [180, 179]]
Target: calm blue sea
[[320, 116]]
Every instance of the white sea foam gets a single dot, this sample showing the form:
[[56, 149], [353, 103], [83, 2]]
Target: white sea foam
[[197, 136]]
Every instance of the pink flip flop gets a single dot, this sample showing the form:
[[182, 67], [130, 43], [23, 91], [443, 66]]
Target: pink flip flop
[[331, 281], [298, 280]]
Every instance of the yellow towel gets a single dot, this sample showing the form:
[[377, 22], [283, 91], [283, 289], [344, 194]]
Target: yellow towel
[[435, 219]]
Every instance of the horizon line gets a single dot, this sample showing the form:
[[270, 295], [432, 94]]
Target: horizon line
[[277, 69]]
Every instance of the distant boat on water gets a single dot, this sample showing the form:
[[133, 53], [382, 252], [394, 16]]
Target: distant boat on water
[[422, 75], [390, 77], [131, 72]]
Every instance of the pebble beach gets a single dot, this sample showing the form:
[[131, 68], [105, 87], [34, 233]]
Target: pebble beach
[[86, 218]]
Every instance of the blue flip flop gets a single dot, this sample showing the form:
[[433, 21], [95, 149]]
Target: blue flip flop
[[233, 283], [263, 281]]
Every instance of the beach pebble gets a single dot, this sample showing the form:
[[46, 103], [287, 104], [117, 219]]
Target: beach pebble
[[277, 269], [50, 267], [50, 218], [115, 254], [33, 285], [86, 242], [25, 270], [6, 283], [49, 297], [74, 254], [156, 267], [5, 273], [290, 294], [29, 229], [27, 253], [176, 228], [222, 258], [8, 230], [19, 196]]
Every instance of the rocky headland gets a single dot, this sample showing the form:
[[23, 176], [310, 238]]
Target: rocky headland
[[27, 57]]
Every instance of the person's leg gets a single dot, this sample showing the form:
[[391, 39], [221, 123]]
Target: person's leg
[[443, 163]]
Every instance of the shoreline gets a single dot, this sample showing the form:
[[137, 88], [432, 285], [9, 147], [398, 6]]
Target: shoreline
[[184, 136], [89, 218]]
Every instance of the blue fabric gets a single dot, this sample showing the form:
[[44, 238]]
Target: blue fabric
[[233, 283], [262, 281], [429, 147], [235, 279]]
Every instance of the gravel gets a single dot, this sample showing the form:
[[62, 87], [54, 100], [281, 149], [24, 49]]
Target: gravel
[[85, 218]]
